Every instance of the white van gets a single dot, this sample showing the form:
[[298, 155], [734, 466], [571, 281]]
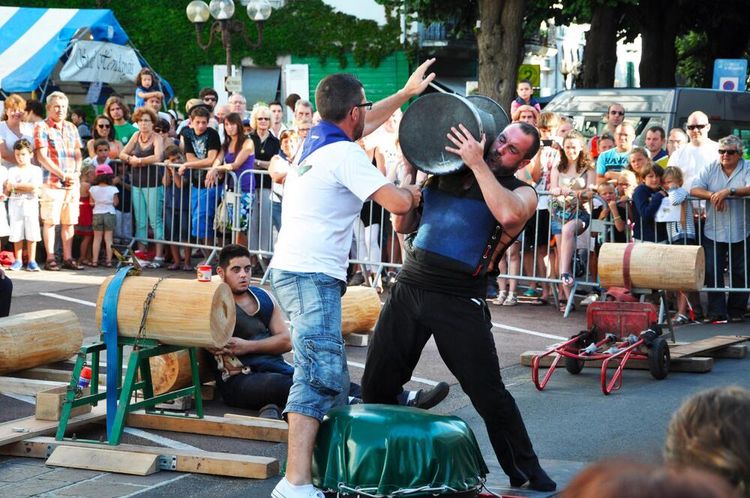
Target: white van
[[728, 112]]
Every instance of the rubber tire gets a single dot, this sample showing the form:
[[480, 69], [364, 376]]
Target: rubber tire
[[658, 359], [573, 365]]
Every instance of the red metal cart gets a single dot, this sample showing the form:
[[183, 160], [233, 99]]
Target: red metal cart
[[616, 332]]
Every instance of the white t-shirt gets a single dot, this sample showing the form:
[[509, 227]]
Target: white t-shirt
[[103, 196], [29, 174], [9, 138], [692, 160], [322, 198]]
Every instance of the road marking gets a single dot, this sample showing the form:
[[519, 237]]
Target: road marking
[[160, 440], [529, 332], [66, 298], [415, 379], [161, 484], [21, 397]]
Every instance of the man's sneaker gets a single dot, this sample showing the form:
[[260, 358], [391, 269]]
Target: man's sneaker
[[270, 411], [427, 399], [33, 266], [16, 266], [284, 489]]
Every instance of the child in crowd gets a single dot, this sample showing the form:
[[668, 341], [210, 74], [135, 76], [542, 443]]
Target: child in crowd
[[525, 96], [626, 184], [146, 87], [613, 213], [176, 208], [101, 153], [24, 182], [104, 198], [680, 232], [4, 227], [85, 215], [647, 199]]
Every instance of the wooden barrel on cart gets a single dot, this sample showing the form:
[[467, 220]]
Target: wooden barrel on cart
[[652, 266], [28, 340], [360, 308], [182, 312]]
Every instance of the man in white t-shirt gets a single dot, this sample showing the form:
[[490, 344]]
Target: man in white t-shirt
[[694, 157], [324, 191]]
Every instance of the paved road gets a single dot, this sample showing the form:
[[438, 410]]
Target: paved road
[[571, 422]]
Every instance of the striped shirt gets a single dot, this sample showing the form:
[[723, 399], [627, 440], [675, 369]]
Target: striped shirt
[[62, 143]]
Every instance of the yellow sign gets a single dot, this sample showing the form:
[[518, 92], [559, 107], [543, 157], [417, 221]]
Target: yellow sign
[[531, 72]]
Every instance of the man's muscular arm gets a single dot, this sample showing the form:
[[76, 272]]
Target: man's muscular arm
[[279, 342], [511, 208]]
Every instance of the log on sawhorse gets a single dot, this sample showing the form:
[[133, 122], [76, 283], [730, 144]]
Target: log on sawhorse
[[180, 460]]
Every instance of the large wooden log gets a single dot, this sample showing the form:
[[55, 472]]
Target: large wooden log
[[171, 371], [32, 339], [360, 308], [182, 313], [652, 266]]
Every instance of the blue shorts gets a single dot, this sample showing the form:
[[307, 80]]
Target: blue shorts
[[582, 217], [203, 206], [312, 301]]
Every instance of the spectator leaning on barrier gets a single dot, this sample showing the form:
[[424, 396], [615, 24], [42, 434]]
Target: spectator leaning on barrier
[[610, 163], [647, 199], [58, 150], [695, 156], [104, 129], [727, 231]]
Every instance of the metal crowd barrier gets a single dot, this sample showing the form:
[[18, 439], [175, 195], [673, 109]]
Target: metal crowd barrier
[[375, 245]]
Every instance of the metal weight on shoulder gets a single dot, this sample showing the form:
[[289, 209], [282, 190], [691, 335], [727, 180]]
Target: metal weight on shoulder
[[427, 122]]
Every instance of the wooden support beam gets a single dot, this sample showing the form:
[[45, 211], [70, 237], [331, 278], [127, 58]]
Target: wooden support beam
[[688, 365], [104, 459], [53, 374], [700, 347], [24, 428], [27, 387], [357, 340], [195, 461], [259, 429]]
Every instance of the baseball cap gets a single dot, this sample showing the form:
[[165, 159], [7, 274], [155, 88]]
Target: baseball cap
[[104, 169]]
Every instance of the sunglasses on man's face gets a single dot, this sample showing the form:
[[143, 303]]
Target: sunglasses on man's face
[[729, 152], [696, 127]]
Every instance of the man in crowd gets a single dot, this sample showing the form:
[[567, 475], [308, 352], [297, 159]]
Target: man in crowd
[[119, 112], [440, 290], [238, 103], [303, 110], [610, 163], [277, 118], [323, 194], [726, 239], [676, 140], [655, 138], [614, 118], [200, 145], [209, 97], [695, 157], [58, 150]]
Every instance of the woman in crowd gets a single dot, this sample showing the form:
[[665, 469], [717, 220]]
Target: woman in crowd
[[142, 151], [13, 128], [637, 158], [647, 199], [104, 128], [237, 154], [572, 183]]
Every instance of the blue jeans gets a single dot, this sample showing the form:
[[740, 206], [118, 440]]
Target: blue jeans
[[312, 301], [717, 258]]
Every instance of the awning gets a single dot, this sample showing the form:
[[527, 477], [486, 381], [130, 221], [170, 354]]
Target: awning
[[32, 41]]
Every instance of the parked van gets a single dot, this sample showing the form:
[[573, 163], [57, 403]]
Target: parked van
[[728, 112]]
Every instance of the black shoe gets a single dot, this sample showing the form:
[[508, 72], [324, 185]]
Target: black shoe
[[428, 399], [713, 318], [357, 279], [270, 411]]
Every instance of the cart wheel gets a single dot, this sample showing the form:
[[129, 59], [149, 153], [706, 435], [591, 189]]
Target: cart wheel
[[573, 365], [658, 358]]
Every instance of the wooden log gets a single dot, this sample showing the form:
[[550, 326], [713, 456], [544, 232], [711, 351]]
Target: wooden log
[[652, 266], [171, 371], [28, 340], [182, 313], [183, 460], [360, 308]]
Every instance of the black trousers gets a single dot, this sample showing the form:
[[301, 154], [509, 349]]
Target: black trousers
[[6, 292], [461, 327], [255, 390]]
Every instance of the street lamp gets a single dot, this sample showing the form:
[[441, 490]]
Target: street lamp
[[198, 13]]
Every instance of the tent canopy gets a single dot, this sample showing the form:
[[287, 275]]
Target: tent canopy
[[33, 40]]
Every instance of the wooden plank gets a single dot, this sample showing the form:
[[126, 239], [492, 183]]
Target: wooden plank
[[49, 404], [27, 387], [691, 364], [195, 461], [105, 460], [705, 345], [24, 428], [259, 429], [53, 374], [357, 340], [735, 351]]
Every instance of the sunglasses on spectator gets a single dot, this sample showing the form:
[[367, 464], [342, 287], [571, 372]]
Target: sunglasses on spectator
[[159, 130], [696, 127], [617, 113], [103, 126], [730, 152], [264, 119], [366, 105]]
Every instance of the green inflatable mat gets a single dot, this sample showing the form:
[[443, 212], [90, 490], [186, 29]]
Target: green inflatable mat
[[384, 450]]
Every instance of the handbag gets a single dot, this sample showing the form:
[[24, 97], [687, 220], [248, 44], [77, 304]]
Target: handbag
[[223, 221]]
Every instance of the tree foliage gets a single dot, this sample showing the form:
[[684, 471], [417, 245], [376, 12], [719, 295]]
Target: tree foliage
[[160, 30]]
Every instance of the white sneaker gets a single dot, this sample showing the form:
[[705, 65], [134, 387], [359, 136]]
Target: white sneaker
[[591, 298], [285, 489]]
